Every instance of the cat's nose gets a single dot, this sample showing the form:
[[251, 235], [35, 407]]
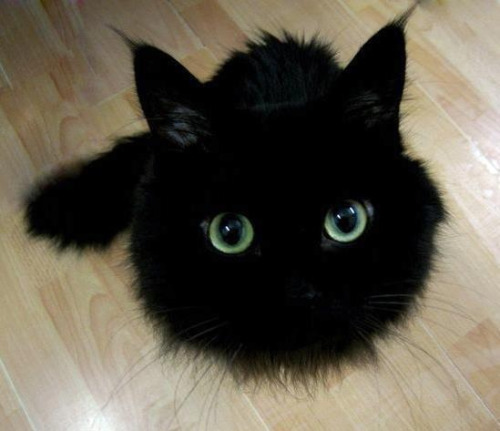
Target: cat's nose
[[301, 292], [312, 295]]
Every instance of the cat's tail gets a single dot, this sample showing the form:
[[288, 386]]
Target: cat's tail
[[88, 206]]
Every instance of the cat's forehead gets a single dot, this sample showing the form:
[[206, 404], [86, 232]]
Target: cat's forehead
[[302, 152], [273, 177], [298, 133], [298, 154]]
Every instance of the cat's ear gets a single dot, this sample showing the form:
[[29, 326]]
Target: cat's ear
[[170, 96], [372, 84]]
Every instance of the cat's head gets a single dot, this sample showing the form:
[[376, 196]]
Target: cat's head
[[275, 236]]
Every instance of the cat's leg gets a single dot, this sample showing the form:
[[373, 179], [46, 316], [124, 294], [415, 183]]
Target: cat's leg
[[90, 205]]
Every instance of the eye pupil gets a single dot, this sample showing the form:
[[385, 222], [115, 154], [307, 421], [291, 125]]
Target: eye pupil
[[346, 218], [231, 229]]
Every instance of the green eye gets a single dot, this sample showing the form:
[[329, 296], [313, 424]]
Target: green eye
[[346, 221], [231, 233]]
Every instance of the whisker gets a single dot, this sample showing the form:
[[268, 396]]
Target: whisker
[[434, 322], [213, 328], [155, 311], [426, 319], [205, 345], [427, 297], [371, 307], [394, 372], [196, 325], [443, 282], [455, 312], [122, 383], [181, 307], [122, 326], [228, 366], [411, 343], [175, 417]]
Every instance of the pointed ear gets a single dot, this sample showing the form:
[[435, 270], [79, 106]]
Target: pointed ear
[[372, 84], [170, 97]]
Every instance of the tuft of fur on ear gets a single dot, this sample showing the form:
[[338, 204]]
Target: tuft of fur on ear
[[170, 96], [372, 84], [88, 205]]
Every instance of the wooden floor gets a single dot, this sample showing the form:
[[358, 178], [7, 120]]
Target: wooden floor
[[75, 353]]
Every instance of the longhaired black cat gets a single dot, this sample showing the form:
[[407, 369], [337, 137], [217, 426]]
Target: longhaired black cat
[[267, 207]]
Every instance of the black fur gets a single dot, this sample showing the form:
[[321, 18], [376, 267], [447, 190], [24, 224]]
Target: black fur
[[90, 203], [280, 134]]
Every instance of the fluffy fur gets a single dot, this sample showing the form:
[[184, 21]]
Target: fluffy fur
[[280, 134]]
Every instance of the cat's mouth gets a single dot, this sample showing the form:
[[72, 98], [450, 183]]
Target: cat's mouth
[[298, 340], [278, 329]]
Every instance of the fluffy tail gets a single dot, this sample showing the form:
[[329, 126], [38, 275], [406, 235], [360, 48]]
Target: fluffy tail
[[89, 206]]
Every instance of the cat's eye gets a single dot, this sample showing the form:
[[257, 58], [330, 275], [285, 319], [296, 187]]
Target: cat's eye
[[231, 233], [346, 221]]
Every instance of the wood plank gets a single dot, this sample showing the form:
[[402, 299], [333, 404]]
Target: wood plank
[[75, 351], [13, 415]]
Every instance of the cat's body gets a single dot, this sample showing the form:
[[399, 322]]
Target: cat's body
[[268, 207]]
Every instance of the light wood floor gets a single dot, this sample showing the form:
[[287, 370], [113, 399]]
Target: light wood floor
[[74, 351]]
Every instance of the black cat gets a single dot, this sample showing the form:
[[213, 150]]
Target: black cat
[[269, 207]]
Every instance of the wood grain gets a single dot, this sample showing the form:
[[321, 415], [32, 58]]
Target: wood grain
[[75, 353]]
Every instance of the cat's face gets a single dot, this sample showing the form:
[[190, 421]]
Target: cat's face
[[278, 240]]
